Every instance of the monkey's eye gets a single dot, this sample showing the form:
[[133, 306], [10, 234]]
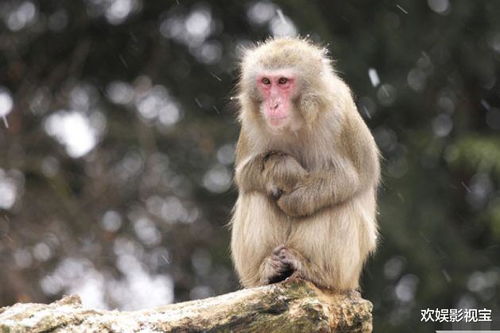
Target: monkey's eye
[[282, 80], [266, 81]]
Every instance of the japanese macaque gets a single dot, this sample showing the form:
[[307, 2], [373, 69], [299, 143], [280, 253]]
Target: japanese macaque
[[307, 171]]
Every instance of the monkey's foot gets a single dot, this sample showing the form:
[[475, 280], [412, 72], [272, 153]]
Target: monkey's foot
[[279, 266]]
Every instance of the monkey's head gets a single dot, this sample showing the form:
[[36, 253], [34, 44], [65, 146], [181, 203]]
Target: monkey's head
[[282, 83]]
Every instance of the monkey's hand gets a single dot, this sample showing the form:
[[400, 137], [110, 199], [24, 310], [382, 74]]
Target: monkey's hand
[[282, 172], [313, 193], [282, 263], [295, 203]]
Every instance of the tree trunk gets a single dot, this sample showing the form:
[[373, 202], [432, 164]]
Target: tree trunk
[[291, 306]]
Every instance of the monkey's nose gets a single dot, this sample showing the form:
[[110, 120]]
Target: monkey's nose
[[275, 106]]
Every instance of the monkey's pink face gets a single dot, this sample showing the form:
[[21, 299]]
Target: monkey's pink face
[[277, 89]]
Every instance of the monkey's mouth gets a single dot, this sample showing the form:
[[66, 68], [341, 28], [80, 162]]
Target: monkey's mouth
[[278, 116], [276, 113], [277, 120]]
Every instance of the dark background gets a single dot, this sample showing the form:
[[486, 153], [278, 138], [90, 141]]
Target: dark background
[[116, 165]]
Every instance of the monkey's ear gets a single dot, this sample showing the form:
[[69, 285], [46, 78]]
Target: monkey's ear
[[244, 48], [245, 56], [327, 54], [246, 52]]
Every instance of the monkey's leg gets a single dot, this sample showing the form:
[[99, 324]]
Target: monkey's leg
[[257, 228], [337, 241]]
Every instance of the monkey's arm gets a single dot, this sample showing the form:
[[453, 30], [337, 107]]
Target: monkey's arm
[[248, 171], [249, 174], [321, 189], [260, 172], [263, 171], [356, 170]]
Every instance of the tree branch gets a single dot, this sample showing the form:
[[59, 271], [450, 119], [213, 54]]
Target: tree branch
[[291, 306]]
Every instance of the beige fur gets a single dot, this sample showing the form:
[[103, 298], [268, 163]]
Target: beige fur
[[325, 167]]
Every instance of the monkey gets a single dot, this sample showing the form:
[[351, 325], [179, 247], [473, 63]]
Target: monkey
[[306, 168]]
